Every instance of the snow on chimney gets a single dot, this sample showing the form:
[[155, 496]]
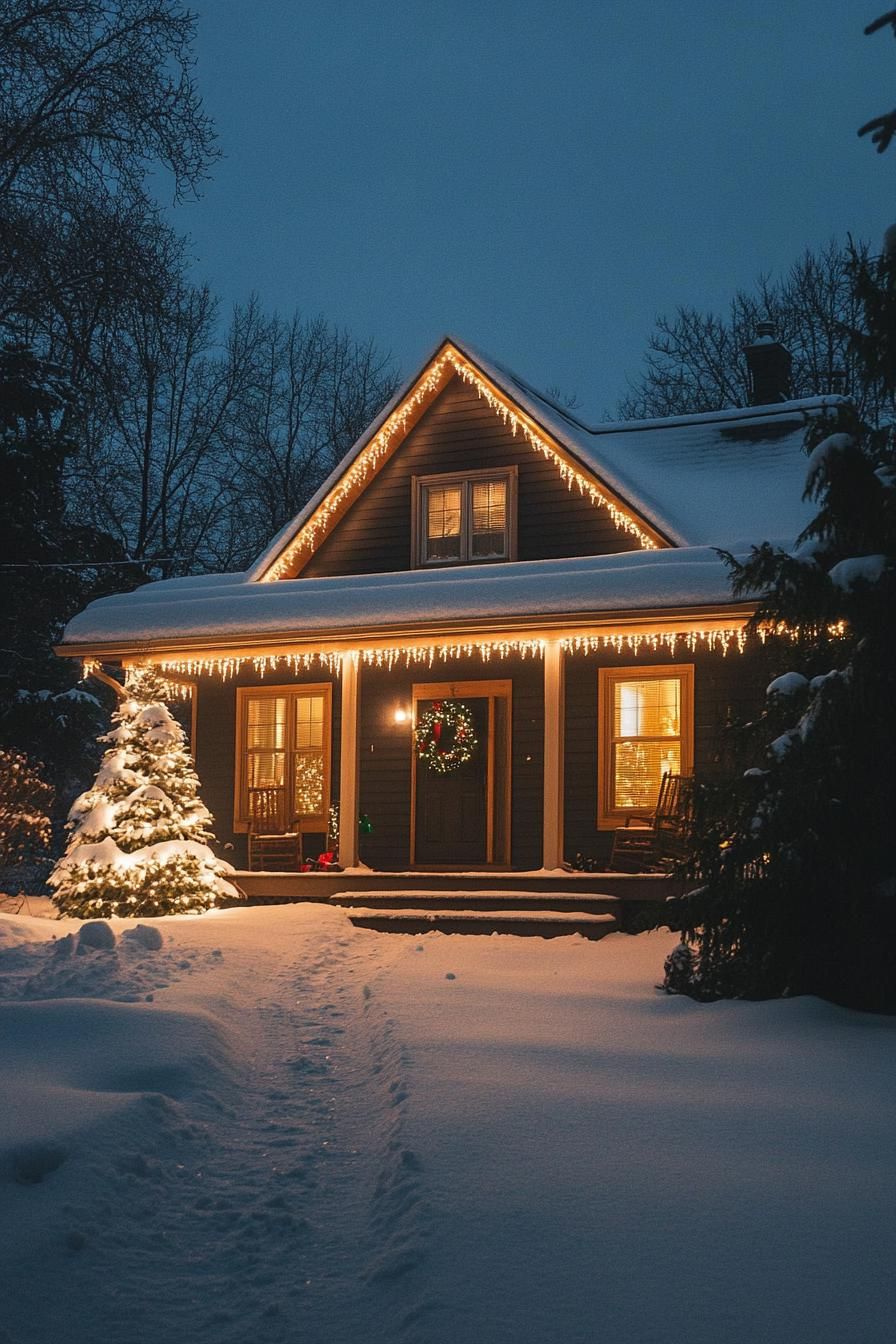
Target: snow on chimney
[[769, 364]]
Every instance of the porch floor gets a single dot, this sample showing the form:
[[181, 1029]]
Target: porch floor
[[579, 891]]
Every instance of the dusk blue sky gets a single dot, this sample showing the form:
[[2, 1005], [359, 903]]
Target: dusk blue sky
[[539, 178]]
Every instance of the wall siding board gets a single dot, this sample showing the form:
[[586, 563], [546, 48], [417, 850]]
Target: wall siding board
[[730, 688], [725, 688], [458, 432], [216, 746], [385, 755]]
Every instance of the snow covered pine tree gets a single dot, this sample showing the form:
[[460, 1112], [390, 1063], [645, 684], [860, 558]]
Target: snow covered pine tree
[[795, 857], [139, 839]]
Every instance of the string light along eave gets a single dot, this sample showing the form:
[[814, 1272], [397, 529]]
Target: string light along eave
[[716, 639], [720, 639]]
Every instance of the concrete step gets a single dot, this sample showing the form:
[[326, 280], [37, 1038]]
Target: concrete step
[[531, 923], [427, 899]]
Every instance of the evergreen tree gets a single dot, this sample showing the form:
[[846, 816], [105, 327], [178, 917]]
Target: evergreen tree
[[25, 799], [50, 568], [794, 856], [139, 838]]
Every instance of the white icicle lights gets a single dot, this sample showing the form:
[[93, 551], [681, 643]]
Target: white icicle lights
[[718, 640], [139, 838]]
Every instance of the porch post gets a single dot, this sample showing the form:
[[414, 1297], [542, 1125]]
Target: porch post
[[554, 669], [348, 764]]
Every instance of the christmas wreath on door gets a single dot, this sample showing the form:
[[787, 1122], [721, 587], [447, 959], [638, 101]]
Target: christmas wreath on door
[[445, 736]]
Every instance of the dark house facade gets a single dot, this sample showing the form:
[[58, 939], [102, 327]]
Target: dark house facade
[[490, 633]]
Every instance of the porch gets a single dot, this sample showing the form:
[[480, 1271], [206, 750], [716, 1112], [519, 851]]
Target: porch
[[541, 904], [270, 888]]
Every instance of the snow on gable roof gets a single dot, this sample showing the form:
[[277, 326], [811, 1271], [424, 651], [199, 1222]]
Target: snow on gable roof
[[693, 480], [365, 605], [701, 479]]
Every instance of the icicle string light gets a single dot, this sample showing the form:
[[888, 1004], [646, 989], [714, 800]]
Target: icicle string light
[[174, 689], [724, 641], [367, 461], [623, 521]]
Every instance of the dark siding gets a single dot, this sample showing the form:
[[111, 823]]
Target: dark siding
[[216, 745], [725, 689], [385, 748], [528, 763], [385, 761], [460, 433]]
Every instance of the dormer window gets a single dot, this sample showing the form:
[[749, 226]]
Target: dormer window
[[465, 519]]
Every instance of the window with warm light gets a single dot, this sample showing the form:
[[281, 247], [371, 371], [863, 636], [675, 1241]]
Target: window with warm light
[[283, 755], [464, 519], [646, 731]]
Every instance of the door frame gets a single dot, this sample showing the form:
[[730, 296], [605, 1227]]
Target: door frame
[[474, 690]]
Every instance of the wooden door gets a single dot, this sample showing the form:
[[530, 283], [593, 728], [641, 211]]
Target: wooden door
[[461, 818], [452, 808]]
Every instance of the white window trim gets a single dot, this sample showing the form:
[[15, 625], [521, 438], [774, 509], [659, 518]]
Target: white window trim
[[465, 479]]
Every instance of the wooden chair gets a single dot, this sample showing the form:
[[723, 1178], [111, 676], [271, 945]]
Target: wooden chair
[[651, 844], [271, 847]]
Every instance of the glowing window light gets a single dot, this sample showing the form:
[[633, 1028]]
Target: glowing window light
[[646, 738]]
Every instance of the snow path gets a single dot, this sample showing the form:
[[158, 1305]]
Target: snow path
[[274, 1199], [278, 1129]]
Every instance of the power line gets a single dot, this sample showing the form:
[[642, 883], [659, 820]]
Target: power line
[[89, 564]]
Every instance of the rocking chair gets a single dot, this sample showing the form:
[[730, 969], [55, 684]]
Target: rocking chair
[[653, 843], [271, 847]]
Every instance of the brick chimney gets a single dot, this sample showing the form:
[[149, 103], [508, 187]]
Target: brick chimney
[[769, 365]]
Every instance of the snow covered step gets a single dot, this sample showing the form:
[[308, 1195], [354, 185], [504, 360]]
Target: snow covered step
[[534, 923], [485, 900]]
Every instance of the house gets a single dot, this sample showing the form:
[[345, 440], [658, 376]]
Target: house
[[490, 631]]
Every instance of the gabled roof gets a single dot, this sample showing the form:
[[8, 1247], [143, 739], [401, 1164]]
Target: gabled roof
[[682, 481], [729, 479]]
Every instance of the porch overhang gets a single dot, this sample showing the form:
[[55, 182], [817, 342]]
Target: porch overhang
[[716, 627]]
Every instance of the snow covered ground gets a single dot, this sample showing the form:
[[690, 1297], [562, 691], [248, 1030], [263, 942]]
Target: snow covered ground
[[276, 1127]]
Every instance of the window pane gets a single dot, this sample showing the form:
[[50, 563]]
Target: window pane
[[266, 769], [443, 513], [310, 721], [266, 722], [489, 519], [309, 784], [638, 770], [649, 708]]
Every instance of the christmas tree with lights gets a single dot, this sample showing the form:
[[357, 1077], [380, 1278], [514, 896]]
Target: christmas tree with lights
[[139, 838]]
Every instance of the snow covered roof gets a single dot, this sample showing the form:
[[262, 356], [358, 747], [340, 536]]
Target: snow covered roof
[[701, 479], [186, 612], [698, 479]]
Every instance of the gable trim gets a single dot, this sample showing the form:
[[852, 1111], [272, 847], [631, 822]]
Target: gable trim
[[299, 545]]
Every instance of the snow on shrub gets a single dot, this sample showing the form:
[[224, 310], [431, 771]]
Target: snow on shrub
[[139, 838]]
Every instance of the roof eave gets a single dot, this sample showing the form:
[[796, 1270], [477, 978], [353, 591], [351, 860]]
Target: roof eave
[[470, 630]]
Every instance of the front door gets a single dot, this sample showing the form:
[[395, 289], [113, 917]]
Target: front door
[[460, 813]]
